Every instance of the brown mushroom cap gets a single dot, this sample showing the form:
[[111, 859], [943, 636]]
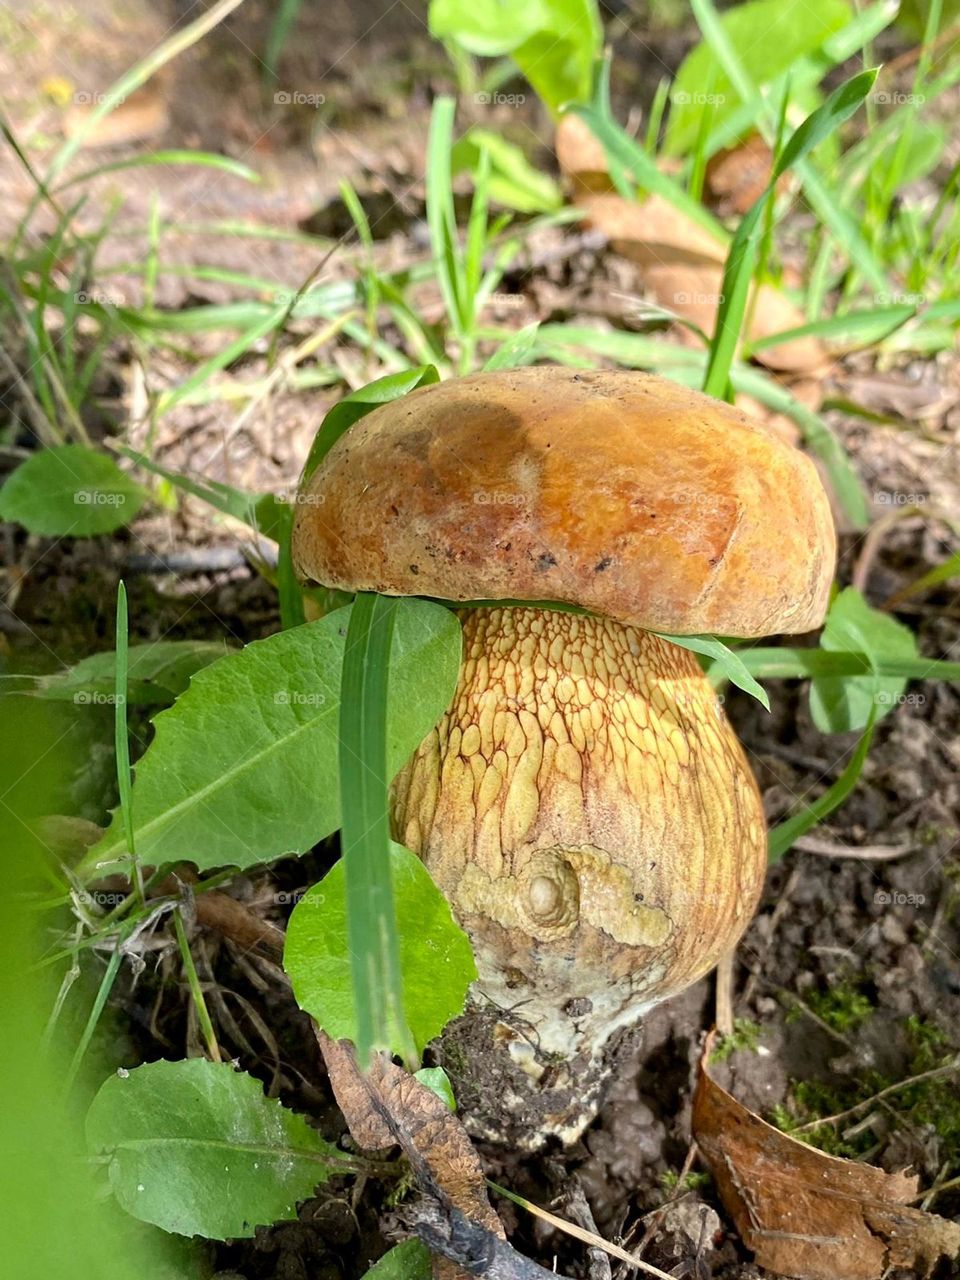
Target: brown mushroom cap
[[620, 492]]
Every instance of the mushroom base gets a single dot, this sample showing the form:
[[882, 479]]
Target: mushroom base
[[530, 1100], [588, 812]]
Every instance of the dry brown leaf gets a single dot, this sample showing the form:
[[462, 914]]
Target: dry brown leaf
[[683, 270], [387, 1106], [142, 116], [737, 177], [806, 1214]]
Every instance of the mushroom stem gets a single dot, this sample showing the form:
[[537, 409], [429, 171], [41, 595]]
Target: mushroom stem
[[590, 815]]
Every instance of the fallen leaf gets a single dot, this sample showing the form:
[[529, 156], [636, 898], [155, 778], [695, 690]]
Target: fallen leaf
[[736, 177], [683, 270], [386, 1105], [682, 261], [806, 1214], [142, 116]]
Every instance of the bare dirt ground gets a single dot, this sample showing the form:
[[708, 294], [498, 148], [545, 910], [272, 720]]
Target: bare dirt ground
[[851, 971]]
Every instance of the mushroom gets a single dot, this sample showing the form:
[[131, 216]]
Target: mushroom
[[584, 804]]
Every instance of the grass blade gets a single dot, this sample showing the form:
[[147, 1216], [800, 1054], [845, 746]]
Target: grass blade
[[738, 270], [365, 833], [786, 833]]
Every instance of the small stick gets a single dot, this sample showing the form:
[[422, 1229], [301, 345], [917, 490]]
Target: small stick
[[598, 1266], [724, 994], [578, 1233]]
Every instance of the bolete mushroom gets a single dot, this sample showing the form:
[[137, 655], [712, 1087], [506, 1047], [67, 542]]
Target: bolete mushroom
[[584, 804]]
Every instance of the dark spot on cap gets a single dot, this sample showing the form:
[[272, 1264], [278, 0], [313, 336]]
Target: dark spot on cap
[[516, 978], [546, 561], [605, 563], [414, 568]]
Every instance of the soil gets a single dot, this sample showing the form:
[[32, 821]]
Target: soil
[[839, 923]]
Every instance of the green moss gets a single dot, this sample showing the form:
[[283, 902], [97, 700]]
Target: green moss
[[746, 1035], [671, 1181], [928, 1102], [843, 1008]]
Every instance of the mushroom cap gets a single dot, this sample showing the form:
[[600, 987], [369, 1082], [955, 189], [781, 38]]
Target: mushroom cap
[[620, 492]]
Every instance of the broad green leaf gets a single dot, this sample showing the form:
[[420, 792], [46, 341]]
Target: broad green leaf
[[70, 491], [243, 768], [358, 403], [554, 42], [769, 36], [157, 672], [513, 180], [436, 1078], [725, 662], [839, 704], [784, 835], [436, 960], [407, 1261], [195, 1148], [488, 28]]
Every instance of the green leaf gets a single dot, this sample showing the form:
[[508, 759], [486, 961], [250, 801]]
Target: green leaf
[[195, 1148], [157, 673], [70, 491], [769, 36], [513, 182], [243, 768], [728, 664], [554, 42], [839, 704], [407, 1261], [784, 835], [436, 961], [436, 1078], [359, 403]]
